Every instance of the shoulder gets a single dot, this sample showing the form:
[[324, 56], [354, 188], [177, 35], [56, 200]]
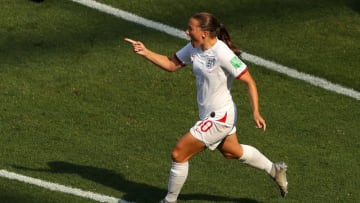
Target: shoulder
[[222, 49], [223, 52], [221, 45], [187, 49], [183, 56], [188, 46]]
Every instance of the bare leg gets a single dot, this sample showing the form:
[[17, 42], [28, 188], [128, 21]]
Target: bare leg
[[232, 149], [186, 147]]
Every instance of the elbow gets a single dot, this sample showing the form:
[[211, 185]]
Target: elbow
[[171, 69]]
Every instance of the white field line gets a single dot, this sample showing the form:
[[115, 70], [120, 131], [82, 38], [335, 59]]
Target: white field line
[[317, 81], [60, 188]]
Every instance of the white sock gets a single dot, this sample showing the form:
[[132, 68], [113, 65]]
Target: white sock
[[178, 175], [255, 158]]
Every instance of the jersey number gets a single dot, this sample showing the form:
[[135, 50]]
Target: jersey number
[[205, 126]]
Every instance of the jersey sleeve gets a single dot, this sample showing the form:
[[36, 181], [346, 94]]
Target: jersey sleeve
[[232, 63], [183, 56]]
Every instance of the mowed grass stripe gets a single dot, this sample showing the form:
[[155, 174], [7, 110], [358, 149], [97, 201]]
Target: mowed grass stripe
[[316, 81]]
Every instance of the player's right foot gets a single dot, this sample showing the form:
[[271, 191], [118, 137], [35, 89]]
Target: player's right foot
[[280, 177]]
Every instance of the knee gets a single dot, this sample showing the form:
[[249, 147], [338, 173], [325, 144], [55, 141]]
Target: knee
[[176, 156], [234, 153], [228, 155], [231, 155]]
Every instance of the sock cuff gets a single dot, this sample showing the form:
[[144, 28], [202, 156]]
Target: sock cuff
[[247, 152], [179, 169], [176, 164]]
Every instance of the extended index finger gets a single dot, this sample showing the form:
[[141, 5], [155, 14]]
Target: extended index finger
[[130, 40]]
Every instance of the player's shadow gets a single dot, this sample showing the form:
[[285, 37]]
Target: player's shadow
[[134, 191]]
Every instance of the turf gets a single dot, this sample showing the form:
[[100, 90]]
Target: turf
[[317, 37], [80, 109]]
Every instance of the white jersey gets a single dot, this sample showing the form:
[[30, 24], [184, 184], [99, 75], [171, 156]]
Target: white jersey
[[215, 70]]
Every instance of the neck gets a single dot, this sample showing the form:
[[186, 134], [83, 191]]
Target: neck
[[208, 43]]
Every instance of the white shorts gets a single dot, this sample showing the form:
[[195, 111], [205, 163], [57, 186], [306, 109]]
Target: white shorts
[[214, 128]]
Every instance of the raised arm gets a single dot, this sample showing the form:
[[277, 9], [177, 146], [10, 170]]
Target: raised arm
[[254, 98], [169, 64]]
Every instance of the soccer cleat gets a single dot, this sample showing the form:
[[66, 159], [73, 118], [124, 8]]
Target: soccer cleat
[[280, 177], [164, 201]]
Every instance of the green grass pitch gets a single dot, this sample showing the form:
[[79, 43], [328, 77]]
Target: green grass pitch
[[79, 108]]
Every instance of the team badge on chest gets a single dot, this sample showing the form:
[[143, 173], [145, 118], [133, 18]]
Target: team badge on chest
[[210, 62]]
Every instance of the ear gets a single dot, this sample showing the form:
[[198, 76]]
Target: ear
[[205, 34]]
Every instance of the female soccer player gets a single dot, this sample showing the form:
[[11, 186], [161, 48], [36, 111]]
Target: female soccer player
[[215, 63]]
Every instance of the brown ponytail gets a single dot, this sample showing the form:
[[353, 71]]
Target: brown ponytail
[[208, 22], [225, 37]]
